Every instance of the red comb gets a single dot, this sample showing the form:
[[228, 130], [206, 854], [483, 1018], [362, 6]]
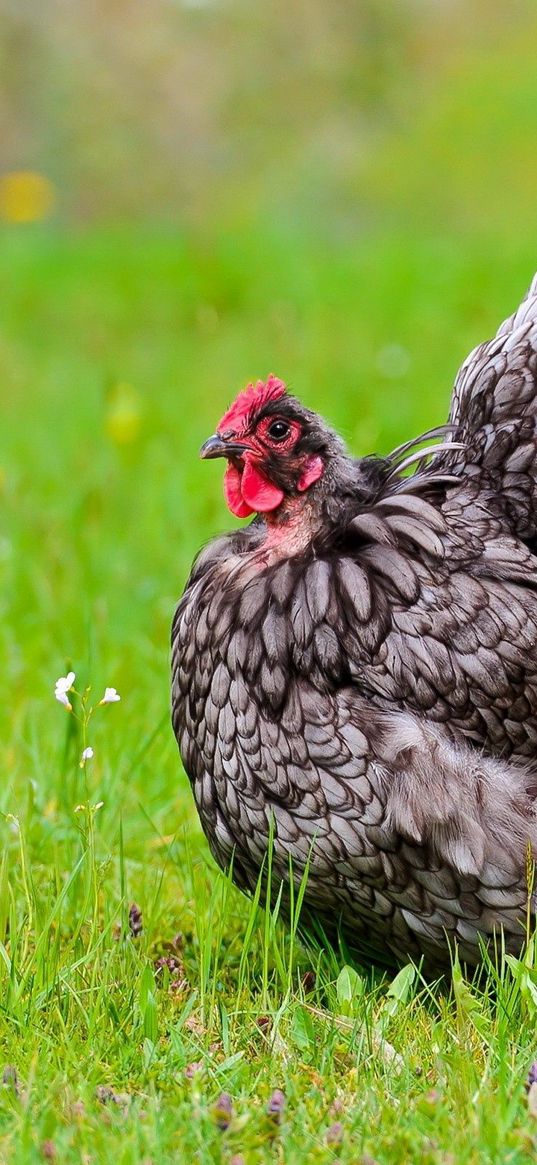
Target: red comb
[[249, 401]]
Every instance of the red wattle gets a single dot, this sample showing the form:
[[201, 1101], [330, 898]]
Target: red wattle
[[250, 492], [257, 491], [233, 495]]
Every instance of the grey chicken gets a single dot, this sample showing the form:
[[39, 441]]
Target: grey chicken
[[356, 669]]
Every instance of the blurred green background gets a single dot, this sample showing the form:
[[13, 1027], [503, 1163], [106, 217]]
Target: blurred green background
[[194, 194]]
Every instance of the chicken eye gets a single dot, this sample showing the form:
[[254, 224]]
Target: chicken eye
[[279, 430]]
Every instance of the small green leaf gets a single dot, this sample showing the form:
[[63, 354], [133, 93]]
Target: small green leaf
[[470, 1006], [349, 987], [302, 1031], [400, 989]]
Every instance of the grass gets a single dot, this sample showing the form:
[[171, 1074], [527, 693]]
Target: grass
[[118, 353]]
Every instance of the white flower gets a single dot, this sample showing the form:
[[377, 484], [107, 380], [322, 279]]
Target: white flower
[[86, 755], [63, 686], [110, 696]]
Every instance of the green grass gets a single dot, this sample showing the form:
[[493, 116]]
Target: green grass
[[118, 354]]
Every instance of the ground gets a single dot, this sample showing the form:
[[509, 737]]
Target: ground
[[137, 986]]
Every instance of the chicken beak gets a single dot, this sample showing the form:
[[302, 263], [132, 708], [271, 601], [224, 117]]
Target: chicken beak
[[216, 447]]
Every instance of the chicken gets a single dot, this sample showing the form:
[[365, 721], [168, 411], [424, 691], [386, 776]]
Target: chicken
[[355, 671]]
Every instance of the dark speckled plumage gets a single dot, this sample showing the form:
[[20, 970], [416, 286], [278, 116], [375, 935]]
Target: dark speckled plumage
[[365, 673]]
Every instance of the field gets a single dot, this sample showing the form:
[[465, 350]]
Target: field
[[119, 1034]]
